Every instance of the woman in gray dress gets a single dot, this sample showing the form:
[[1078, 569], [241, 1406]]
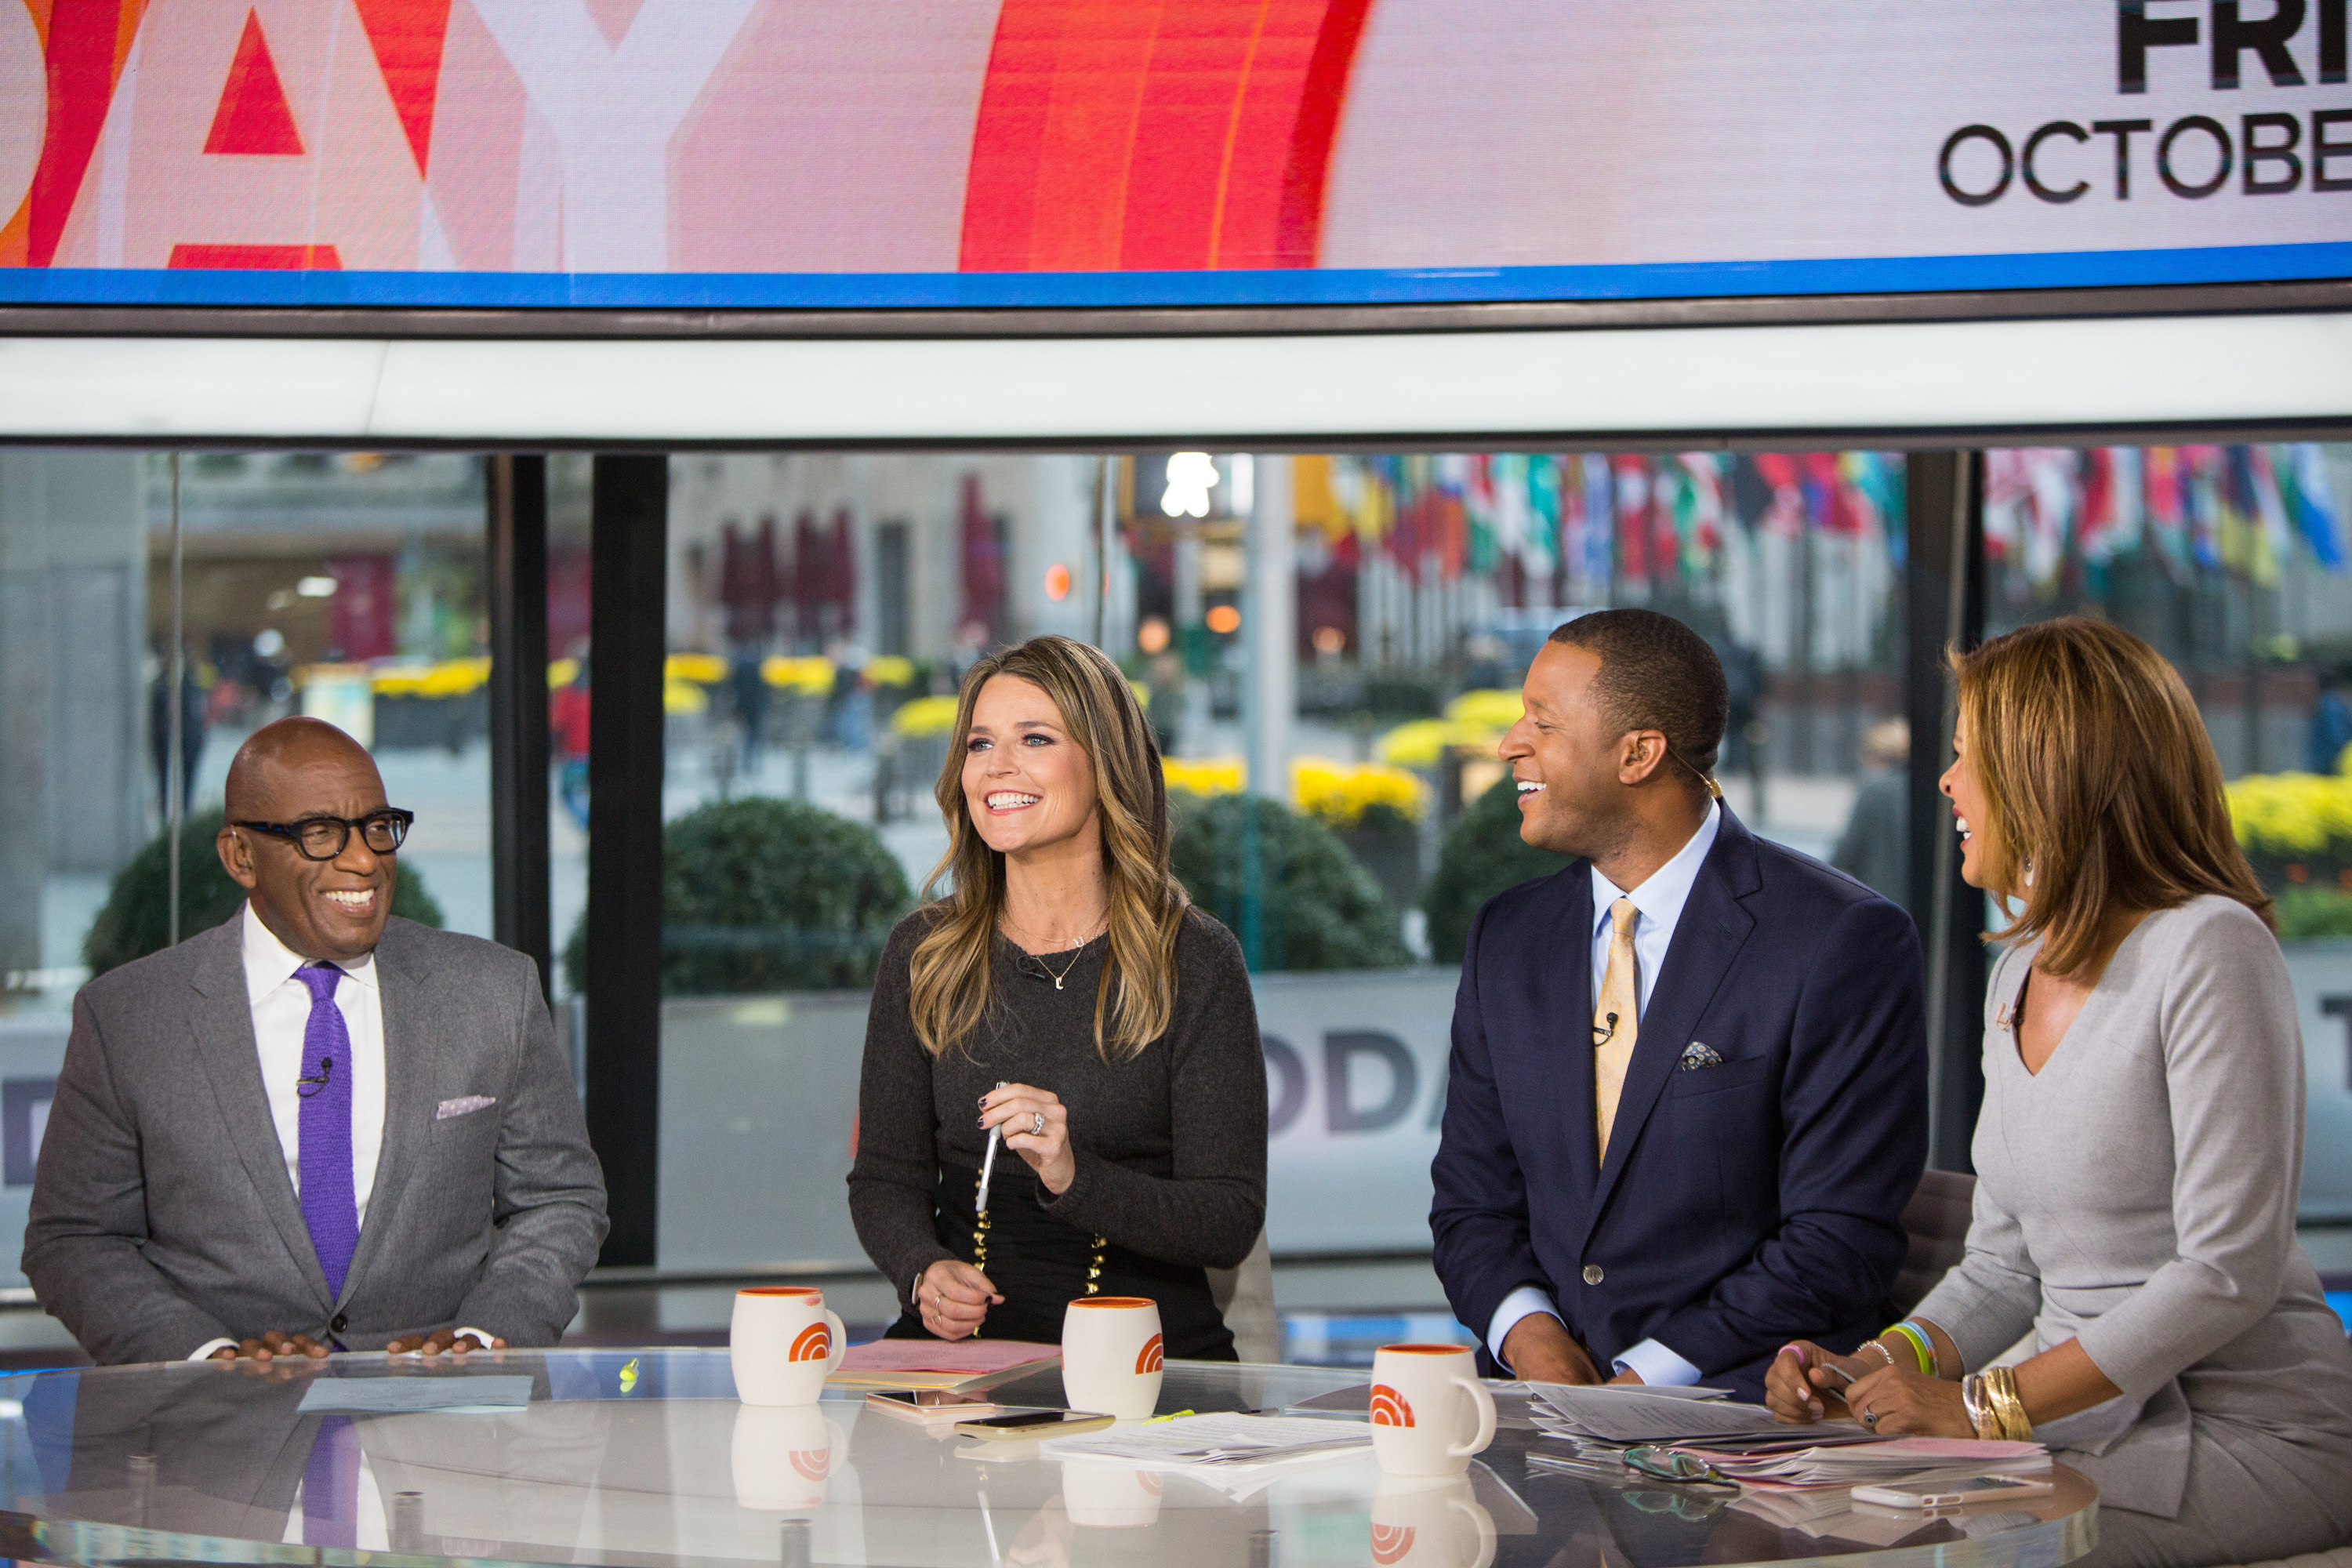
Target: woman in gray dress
[[2141, 1142]]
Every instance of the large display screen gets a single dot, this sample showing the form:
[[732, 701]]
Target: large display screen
[[823, 153]]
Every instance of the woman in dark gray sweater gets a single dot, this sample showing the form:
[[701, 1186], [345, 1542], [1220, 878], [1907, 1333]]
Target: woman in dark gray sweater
[[1065, 991]]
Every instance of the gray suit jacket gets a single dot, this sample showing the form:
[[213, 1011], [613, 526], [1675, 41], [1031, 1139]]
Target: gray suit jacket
[[163, 1216]]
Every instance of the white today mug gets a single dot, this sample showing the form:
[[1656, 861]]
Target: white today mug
[[783, 1456], [1430, 1522], [783, 1345], [1430, 1411], [1111, 1354]]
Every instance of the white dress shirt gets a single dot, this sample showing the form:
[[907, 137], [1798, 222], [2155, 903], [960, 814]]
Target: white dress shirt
[[1660, 899], [281, 1013]]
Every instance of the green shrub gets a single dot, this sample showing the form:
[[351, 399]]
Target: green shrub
[[136, 920], [762, 895], [2305, 912], [1317, 909], [1483, 855]]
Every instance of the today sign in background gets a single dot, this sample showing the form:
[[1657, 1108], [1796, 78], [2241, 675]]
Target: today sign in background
[[715, 153]]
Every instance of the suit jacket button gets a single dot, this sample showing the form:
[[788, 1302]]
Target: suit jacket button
[[1593, 1275], [339, 1321]]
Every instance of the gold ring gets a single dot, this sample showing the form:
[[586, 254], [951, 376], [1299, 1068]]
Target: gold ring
[[1037, 1124]]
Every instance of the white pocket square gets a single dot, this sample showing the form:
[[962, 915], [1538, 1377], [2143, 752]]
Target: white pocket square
[[463, 1105]]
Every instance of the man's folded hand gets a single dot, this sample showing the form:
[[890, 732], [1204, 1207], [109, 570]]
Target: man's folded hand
[[1539, 1349], [441, 1342], [271, 1347]]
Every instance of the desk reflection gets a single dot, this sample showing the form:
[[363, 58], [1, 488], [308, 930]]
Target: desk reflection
[[642, 1459], [227, 1451]]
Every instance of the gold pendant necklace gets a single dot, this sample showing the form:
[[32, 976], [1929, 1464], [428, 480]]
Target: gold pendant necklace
[[1077, 951], [1065, 975]]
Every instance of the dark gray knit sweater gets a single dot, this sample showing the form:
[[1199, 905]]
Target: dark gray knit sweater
[[1170, 1145]]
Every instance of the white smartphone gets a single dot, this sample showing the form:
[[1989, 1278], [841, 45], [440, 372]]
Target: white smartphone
[[1952, 1494]]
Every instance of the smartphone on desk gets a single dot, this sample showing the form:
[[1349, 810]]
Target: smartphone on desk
[[932, 1405], [1030, 1426], [1952, 1494]]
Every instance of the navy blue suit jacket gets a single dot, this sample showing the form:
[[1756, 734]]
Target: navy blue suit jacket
[[1741, 1206]]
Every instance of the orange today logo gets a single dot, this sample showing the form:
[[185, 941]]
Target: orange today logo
[[1391, 1543], [813, 1464], [1149, 1359], [1389, 1407], [814, 1343]]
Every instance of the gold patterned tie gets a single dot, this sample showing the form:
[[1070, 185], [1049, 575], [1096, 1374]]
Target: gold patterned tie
[[1614, 1022]]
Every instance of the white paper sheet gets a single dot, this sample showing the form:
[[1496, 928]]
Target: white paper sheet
[[1228, 1441]]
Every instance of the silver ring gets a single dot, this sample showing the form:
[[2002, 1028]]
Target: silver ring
[[1037, 1124]]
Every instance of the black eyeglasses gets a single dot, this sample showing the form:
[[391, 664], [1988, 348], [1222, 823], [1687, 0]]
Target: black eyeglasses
[[324, 837]]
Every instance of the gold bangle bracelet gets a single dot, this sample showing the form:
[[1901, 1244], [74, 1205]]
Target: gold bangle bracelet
[[2000, 1390]]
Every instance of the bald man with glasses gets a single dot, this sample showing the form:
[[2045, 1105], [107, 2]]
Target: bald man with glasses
[[314, 1127]]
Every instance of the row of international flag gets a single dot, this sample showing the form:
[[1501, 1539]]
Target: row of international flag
[[1595, 518], [2242, 508], [1632, 519]]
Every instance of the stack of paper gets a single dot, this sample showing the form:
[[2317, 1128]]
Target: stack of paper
[[1235, 1453], [1848, 1464], [940, 1363], [1626, 1415], [1743, 1443]]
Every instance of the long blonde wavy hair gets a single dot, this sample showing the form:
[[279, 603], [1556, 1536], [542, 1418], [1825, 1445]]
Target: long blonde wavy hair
[[2098, 774], [1137, 995]]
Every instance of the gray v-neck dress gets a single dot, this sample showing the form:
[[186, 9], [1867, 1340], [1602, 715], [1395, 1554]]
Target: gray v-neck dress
[[2139, 1195]]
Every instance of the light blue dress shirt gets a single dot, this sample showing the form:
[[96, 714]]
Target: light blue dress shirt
[[1660, 899]]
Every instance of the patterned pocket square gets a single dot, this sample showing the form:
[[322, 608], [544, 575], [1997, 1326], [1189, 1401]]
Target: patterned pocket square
[[1697, 1055], [463, 1105]]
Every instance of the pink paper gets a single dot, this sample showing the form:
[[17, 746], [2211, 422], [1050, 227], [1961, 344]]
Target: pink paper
[[1961, 1449], [968, 1357]]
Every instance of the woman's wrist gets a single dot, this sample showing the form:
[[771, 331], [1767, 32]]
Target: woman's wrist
[[915, 1291], [1070, 1182], [1910, 1340], [1994, 1408]]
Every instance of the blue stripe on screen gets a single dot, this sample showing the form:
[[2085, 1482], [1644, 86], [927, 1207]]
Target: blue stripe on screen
[[1306, 287]]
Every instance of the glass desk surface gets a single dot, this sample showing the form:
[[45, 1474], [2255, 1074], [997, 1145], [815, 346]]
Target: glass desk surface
[[644, 1459]]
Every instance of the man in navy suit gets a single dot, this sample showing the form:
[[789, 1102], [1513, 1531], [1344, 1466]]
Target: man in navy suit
[[1688, 1096]]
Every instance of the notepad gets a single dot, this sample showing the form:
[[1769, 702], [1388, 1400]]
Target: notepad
[[939, 1363], [493, 1394]]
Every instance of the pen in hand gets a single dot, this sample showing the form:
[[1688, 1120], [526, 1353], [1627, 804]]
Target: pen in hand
[[988, 1160]]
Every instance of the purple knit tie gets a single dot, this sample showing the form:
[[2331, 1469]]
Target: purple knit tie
[[329, 1207], [331, 1485]]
